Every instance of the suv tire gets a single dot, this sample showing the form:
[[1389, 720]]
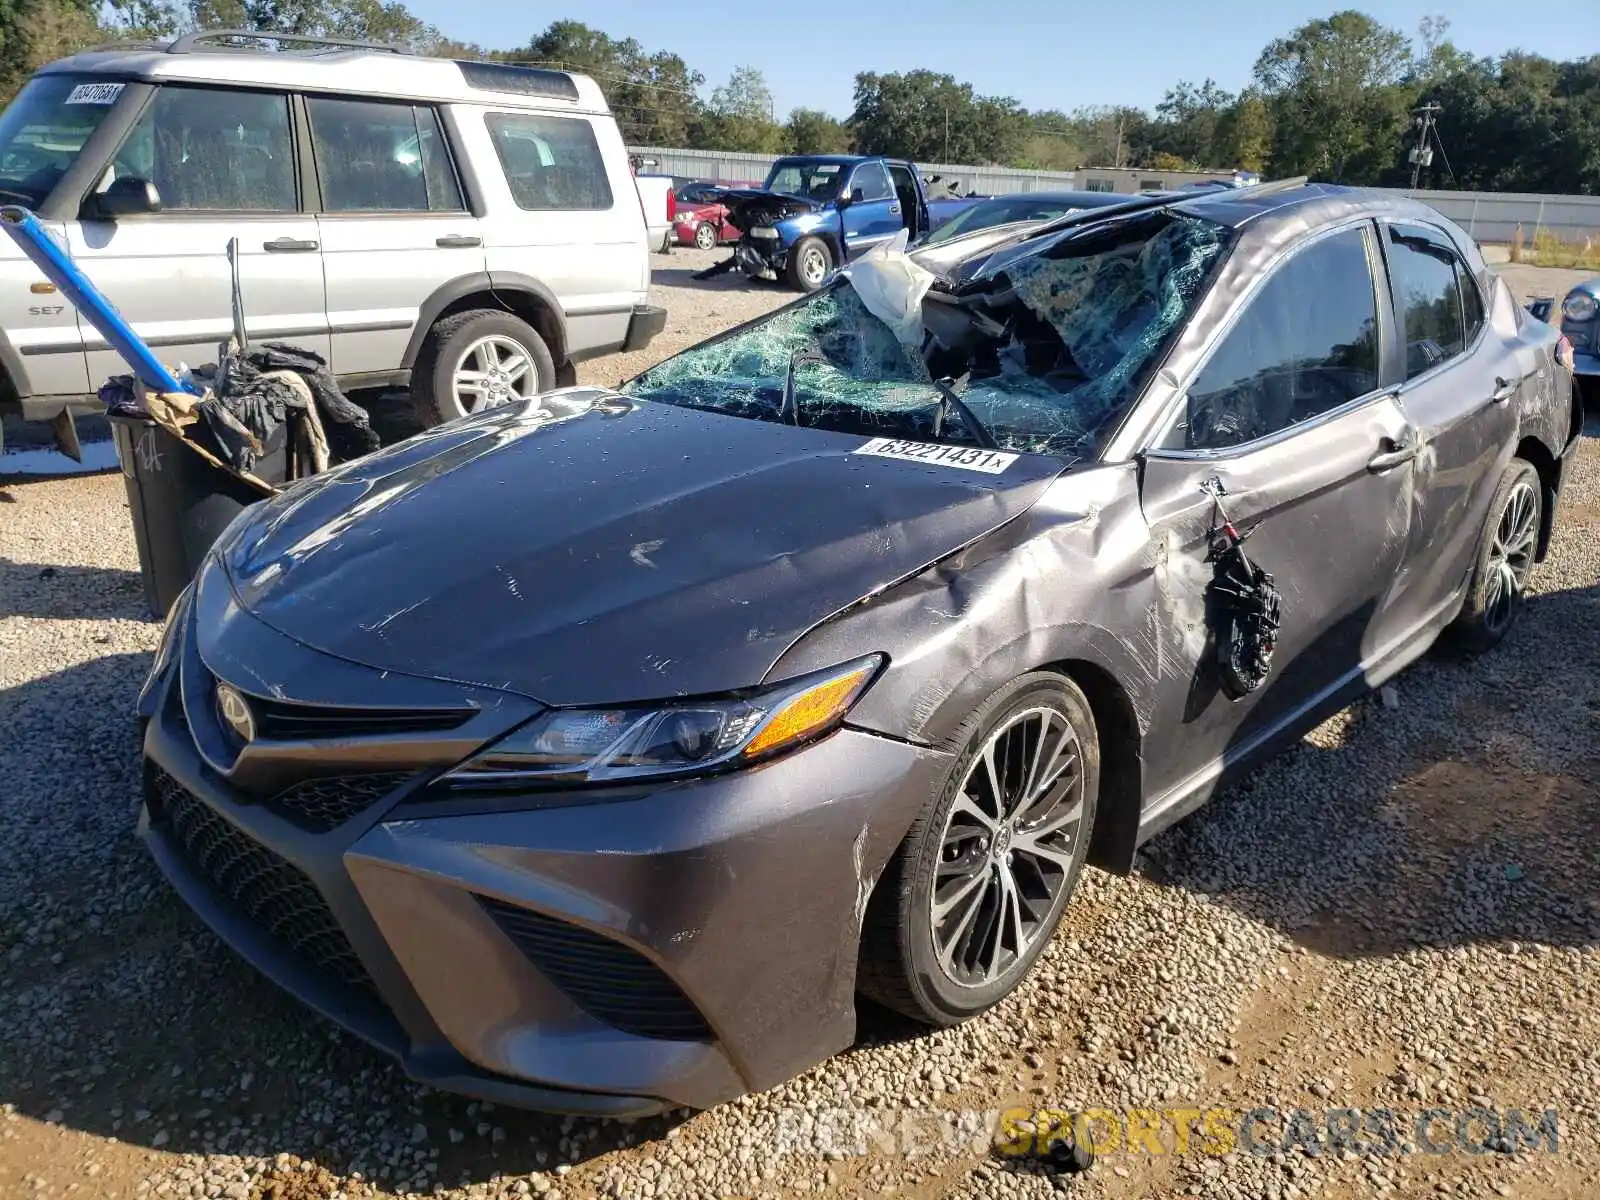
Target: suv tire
[[506, 351]]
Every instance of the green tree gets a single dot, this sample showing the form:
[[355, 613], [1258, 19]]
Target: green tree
[[812, 131], [652, 95], [1186, 123], [1244, 134], [740, 116], [1338, 104], [933, 118], [34, 32]]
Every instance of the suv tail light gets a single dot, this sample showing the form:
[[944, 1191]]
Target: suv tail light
[[672, 206]]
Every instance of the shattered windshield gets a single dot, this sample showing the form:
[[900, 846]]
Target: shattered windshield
[[808, 178], [1044, 355], [44, 128]]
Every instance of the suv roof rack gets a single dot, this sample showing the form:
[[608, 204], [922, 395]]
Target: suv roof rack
[[195, 42]]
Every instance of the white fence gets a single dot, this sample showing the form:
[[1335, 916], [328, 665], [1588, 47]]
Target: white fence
[[1486, 216]]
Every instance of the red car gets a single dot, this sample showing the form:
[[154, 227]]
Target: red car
[[700, 221]]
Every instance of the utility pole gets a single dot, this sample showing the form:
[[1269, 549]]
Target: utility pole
[[1422, 154]]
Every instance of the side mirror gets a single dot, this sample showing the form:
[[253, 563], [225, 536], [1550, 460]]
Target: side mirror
[[128, 196]]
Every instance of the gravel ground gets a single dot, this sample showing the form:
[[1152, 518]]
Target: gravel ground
[[1401, 912]]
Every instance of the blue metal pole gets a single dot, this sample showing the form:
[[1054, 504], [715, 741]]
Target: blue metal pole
[[51, 258]]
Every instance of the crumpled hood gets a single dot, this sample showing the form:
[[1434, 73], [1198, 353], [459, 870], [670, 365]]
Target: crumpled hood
[[748, 207], [589, 548]]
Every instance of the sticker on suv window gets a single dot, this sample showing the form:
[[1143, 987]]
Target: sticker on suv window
[[968, 458], [95, 93]]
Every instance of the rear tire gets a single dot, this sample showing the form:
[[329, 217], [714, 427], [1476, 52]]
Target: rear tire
[[706, 235], [945, 937], [1506, 550], [439, 389], [809, 262]]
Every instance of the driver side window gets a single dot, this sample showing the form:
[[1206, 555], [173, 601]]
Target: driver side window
[[873, 182], [1306, 343]]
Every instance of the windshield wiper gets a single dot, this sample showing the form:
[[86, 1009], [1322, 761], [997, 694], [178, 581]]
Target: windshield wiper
[[950, 398], [790, 406]]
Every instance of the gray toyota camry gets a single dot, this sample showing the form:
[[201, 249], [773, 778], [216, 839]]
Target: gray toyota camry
[[595, 753]]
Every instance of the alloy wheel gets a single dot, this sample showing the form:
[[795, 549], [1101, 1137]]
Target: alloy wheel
[[705, 235], [1511, 555], [492, 371], [1008, 848]]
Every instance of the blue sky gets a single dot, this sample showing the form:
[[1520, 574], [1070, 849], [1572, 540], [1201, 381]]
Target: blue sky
[[1043, 53]]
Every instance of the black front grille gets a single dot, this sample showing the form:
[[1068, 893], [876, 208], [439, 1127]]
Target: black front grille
[[319, 805], [255, 881], [287, 722], [604, 978]]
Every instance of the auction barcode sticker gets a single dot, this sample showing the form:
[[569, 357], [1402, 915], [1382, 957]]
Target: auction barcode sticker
[[967, 458], [95, 93]]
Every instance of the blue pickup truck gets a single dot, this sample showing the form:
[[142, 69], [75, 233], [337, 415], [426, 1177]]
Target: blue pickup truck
[[817, 212]]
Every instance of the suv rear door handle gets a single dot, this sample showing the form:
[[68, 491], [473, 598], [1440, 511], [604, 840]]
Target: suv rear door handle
[[458, 241], [894, 208], [1396, 454], [1504, 389], [287, 246]]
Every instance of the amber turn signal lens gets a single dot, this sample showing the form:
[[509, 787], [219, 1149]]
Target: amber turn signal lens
[[811, 711]]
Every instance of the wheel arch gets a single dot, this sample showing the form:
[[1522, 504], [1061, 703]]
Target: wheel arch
[[520, 295], [1533, 450], [1121, 801]]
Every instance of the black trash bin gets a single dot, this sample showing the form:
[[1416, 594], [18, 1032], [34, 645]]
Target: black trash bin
[[180, 504]]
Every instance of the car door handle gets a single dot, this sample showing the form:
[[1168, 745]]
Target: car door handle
[[287, 246], [894, 208], [1504, 389], [1396, 454], [457, 241]]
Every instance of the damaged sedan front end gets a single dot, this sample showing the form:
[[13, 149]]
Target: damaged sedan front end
[[594, 753]]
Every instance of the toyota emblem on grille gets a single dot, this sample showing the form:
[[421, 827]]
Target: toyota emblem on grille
[[235, 712]]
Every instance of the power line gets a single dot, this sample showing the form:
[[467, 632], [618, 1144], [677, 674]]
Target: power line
[[1422, 154]]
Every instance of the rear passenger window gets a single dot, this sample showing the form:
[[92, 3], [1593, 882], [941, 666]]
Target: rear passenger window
[[213, 150], [1306, 343], [375, 157], [1438, 299], [551, 163]]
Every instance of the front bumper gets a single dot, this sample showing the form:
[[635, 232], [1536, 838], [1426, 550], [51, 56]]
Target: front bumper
[[756, 257], [727, 907]]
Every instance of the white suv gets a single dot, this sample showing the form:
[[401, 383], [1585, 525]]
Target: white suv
[[466, 229]]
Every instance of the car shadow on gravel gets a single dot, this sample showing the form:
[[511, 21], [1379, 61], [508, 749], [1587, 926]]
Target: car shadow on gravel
[[70, 593], [1455, 808], [728, 281]]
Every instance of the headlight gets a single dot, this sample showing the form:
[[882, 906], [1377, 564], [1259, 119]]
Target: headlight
[[169, 639], [691, 737], [1579, 306], [764, 231]]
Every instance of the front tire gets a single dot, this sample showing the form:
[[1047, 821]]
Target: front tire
[[809, 262], [974, 893], [1506, 552], [477, 360], [705, 235]]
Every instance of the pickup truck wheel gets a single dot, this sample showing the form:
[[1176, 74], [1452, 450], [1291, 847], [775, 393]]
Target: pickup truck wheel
[[809, 264], [478, 360], [705, 235]]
